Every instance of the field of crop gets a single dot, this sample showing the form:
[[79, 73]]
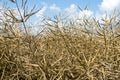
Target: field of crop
[[62, 49]]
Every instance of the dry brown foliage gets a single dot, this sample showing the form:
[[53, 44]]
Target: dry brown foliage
[[61, 51]]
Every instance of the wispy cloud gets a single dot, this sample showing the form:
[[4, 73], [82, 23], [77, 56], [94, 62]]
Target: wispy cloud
[[74, 12], [55, 8], [86, 14], [72, 9], [41, 12]]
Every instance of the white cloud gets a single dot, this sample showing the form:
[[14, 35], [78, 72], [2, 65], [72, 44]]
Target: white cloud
[[41, 12], [100, 16], [109, 5], [85, 14], [72, 9], [55, 8], [75, 13]]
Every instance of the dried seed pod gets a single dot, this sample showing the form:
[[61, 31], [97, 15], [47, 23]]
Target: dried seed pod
[[12, 1]]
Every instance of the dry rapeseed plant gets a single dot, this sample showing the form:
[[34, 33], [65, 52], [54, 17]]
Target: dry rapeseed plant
[[62, 51]]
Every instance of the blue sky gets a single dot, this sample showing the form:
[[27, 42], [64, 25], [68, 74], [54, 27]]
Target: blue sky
[[69, 7], [93, 5]]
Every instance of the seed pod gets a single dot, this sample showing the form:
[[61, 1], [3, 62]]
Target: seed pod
[[12, 1]]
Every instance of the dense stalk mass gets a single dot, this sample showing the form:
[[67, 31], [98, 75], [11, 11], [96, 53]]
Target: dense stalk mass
[[63, 49]]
